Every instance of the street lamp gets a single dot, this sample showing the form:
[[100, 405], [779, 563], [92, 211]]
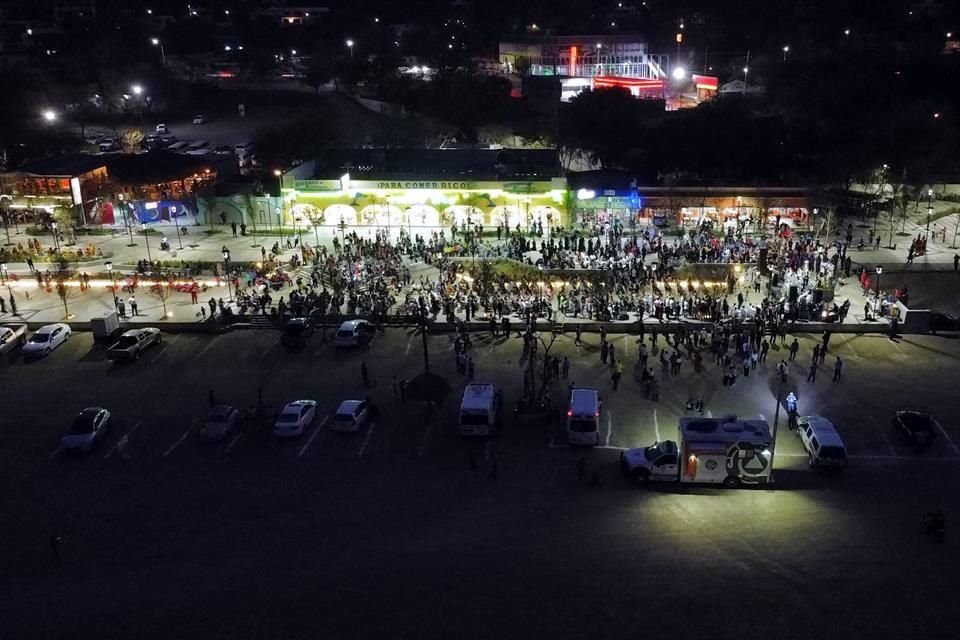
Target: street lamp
[[746, 70], [929, 208], [786, 50], [679, 73], [49, 115], [879, 273], [113, 287], [146, 239], [137, 89], [163, 56], [350, 47], [56, 240], [226, 269]]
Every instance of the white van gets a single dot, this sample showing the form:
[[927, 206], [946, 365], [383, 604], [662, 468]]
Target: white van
[[480, 410], [583, 417], [824, 446]]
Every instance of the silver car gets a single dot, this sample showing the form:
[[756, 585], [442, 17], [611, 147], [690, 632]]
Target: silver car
[[87, 429], [222, 421]]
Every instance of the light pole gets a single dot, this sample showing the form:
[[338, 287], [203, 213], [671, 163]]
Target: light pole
[[156, 42], [56, 240], [279, 175], [929, 209], [146, 240], [746, 70], [350, 47], [176, 225], [113, 286], [226, 269], [786, 50], [879, 273]]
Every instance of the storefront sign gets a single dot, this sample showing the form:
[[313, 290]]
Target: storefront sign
[[316, 185], [439, 186]]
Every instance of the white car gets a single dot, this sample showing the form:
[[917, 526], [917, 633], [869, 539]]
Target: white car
[[133, 343], [221, 422], [87, 429], [199, 119], [294, 418], [162, 129], [46, 339], [354, 333], [351, 415], [12, 335]]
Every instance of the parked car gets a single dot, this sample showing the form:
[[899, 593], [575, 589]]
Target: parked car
[[222, 421], [46, 339], [162, 129], [296, 332], [107, 145], [222, 150], [917, 425], [354, 333], [823, 444], [351, 415], [243, 148], [86, 430], [944, 322], [199, 119], [294, 418], [133, 343], [11, 336]]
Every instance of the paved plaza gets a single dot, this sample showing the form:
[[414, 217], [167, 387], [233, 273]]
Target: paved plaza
[[389, 532]]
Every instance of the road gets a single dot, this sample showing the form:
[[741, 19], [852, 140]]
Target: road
[[389, 533]]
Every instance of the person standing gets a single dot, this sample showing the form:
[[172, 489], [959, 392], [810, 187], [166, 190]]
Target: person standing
[[617, 374], [816, 353], [812, 376], [837, 368], [764, 348], [794, 348], [956, 262], [604, 351], [233, 227], [577, 341], [121, 307], [132, 301], [566, 367], [610, 354]]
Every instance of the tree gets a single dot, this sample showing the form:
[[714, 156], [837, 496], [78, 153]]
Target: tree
[[604, 122], [161, 288], [319, 71], [130, 140], [64, 291]]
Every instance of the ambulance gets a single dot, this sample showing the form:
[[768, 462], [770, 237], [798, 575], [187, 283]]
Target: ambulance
[[480, 410], [727, 451]]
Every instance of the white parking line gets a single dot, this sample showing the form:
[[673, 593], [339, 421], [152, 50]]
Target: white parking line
[[232, 442], [313, 435], [656, 424], [849, 343], [949, 439], [886, 440], [406, 351], [896, 346], [55, 453], [366, 438], [179, 440], [123, 441], [209, 344], [609, 427], [426, 439]]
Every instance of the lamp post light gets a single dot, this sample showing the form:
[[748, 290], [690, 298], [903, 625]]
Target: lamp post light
[[226, 270], [350, 44], [786, 50], [113, 287], [49, 115], [879, 273], [929, 209], [163, 56], [746, 70], [146, 240], [56, 240]]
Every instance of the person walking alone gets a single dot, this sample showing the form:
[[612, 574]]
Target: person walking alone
[[794, 348], [812, 376], [837, 368]]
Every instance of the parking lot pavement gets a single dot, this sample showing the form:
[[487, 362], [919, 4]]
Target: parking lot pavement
[[405, 525]]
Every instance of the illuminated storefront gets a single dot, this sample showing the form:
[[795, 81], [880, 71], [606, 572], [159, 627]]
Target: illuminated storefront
[[524, 199]]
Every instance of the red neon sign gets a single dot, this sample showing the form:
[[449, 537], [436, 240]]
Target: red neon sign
[[629, 83]]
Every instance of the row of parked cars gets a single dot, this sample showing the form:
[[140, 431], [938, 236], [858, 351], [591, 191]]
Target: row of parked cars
[[43, 341], [352, 333]]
